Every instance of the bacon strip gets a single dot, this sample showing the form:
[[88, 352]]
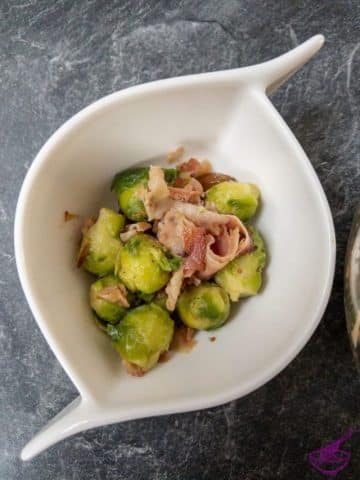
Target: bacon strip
[[174, 155], [208, 240], [196, 251], [184, 195], [156, 197], [133, 369], [195, 168], [173, 230], [212, 221], [173, 289], [219, 252], [246, 244], [85, 243], [134, 228], [183, 339], [187, 190], [114, 294]]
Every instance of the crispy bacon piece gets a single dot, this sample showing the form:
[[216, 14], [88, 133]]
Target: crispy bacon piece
[[85, 244], [156, 197], [88, 223], [115, 294], [196, 252], [183, 237], [226, 236], [183, 339], [134, 228], [219, 252], [186, 190], [173, 288], [83, 252], [195, 168], [172, 231], [184, 195], [174, 155], [208, 240], [180, 182], [133, 369], [165, 357], [192, 281], [69, 216], [203, 217]]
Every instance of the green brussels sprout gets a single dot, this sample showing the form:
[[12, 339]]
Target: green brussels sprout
[[240, 199], [204, 307], [106, 301], [242, 277], [143, 264], [128, 184], [143, 335], [101, 244]]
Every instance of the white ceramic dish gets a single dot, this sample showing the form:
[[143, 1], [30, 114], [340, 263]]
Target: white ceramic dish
[[226, 117]]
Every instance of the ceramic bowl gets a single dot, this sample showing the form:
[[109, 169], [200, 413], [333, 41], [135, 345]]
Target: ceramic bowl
[[227, 118]]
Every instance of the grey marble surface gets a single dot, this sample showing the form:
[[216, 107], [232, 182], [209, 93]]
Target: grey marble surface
[[58, 56]]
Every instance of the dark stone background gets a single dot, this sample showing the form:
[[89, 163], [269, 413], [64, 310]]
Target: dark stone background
[[58, 56]]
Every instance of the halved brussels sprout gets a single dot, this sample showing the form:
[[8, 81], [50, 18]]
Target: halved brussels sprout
[[204, 307], [240, 199], [242, 277], [143, 335], [143, 264], [108, 299], [128, 185], [101, 244]]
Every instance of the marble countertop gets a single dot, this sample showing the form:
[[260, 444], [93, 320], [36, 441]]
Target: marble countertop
[[57, 57]]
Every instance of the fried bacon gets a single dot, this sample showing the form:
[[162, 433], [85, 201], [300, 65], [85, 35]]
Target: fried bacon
[[186, 190], [156, 196], [173, 288], [195, 168], [133, 369], [115, 294], [134, 228], [174, 155], [183, 339]]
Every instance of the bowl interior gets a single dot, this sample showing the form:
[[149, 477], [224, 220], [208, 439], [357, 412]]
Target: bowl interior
[[241, 134]]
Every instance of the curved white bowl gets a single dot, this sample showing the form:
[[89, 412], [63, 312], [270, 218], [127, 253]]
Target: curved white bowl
[[226, 117]]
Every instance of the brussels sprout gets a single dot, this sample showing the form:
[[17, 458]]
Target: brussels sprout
[[106, 299], [143, 264], [128, 185], [243, 276], [240, 199], [204, 307], [143, 335], [101, 244]]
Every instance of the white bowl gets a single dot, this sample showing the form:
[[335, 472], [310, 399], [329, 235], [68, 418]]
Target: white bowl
[[226, 117]]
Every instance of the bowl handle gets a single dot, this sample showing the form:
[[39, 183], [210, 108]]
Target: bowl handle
[[275, 72], [72, 419]]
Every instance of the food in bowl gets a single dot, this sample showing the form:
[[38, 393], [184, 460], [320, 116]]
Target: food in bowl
[[173, 259]]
